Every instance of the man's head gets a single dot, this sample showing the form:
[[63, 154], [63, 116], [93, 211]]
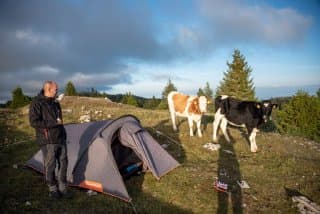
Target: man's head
[[50, 89]]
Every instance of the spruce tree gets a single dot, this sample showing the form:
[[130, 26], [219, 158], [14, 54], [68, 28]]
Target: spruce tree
[[169, 87], [70, 90], [200, 92], [237, 81], [208, 91], [18, 98]]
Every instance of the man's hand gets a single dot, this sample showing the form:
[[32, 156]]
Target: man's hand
[[59, 121]]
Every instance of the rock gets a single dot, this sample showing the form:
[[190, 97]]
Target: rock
[[165, 146], [212, 146], [67, 110], [85, 118], [91, 193]]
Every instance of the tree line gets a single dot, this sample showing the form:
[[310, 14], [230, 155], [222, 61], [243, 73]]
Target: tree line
[[298, 115]]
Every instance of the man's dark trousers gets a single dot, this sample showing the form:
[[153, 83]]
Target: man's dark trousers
[[53, 153]]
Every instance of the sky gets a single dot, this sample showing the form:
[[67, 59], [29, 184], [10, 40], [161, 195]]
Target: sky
[[132, 46]]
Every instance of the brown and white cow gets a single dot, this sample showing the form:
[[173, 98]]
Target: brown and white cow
[[191, 107]]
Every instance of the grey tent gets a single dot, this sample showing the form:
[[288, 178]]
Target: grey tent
[[99, 151]]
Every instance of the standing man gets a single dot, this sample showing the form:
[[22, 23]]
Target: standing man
[[46, 117]]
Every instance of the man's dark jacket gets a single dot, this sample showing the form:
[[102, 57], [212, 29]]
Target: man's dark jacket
[[43, 115]]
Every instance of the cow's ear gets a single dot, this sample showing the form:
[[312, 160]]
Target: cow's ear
[[258, 106]]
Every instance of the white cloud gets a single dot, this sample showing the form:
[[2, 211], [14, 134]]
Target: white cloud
[[188, 36], [41, 39], [98, 80], [235, 21], [46, 69]]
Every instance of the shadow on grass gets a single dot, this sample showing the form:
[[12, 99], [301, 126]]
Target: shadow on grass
[[205, 120], [177, 150], [229, 173], [145, 202], [25, 191]]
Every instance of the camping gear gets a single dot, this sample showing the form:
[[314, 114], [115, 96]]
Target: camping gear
[[220, 186], [98, 151], [243, 184]]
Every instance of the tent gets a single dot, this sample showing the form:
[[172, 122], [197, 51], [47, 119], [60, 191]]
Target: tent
[[101, 152]]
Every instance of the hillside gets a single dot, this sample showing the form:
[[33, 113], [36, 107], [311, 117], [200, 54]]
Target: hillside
[[282, 161]]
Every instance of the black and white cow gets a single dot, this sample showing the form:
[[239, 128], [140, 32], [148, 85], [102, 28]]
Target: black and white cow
[[248, 114]]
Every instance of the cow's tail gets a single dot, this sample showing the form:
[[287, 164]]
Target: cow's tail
[[221, 102]]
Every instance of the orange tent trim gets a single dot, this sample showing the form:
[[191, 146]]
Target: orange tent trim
[[93, 185]]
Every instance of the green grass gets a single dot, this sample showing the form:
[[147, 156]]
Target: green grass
[[282, 161]]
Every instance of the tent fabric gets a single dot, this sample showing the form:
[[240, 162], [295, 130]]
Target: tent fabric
[[97, 150]]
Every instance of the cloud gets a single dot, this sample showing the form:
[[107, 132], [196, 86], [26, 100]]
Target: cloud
[[39, 39], [92, 43], [46, 69], [239, 22], [83, 80]]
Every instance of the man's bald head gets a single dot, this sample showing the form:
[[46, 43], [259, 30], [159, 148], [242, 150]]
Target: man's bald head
[[50, 89]]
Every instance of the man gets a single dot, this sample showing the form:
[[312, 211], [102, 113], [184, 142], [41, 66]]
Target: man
[[46, 117]]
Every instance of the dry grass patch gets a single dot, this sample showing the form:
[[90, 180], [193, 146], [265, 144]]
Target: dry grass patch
[[282, 161]]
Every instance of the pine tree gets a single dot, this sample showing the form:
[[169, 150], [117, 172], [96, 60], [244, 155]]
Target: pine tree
[[70, 90], [169, 87], [200, 92], [237, 81], [18, 98], [208, 91]]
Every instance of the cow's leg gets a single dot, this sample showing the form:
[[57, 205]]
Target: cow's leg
[[173, 119], [252, 139], [190, 122], [199, 127], [223, 127], [217, 118]]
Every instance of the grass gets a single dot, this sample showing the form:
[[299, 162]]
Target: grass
[[282, 161]]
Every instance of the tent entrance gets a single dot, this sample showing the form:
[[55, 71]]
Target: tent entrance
[[128, 162]]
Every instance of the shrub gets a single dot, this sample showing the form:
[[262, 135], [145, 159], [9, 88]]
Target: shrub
[[301, 116]]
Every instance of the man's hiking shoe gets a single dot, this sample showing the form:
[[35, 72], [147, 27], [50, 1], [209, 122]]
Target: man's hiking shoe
[[54, 194], [66, 194]]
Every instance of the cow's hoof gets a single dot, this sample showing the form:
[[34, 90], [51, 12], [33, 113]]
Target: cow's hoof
[[254, 150]]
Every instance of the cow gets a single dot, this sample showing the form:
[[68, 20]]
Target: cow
[[248, 114], [191, 107]]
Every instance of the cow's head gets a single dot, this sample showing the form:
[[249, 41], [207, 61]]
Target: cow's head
[[203, 104], [266, 109]]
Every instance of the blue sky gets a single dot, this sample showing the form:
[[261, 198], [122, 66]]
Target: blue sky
[[122, 46]]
